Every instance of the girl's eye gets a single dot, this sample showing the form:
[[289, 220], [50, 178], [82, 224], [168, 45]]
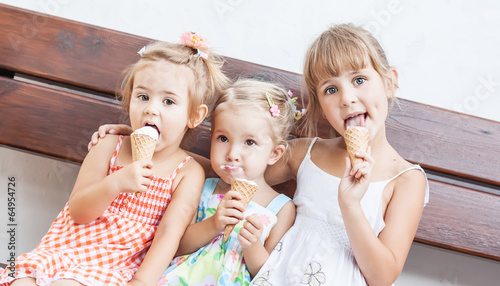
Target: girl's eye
[[168, 101], [250, 142], [143, 97], [222, 138], [359, 80], [331, 90]]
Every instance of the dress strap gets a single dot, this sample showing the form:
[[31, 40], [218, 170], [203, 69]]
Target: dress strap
[[209, 186], [311, 145], [415, 167], [176, 171], [117, 150], [277, 203]]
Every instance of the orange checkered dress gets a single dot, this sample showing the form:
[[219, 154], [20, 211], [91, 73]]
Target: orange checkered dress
[[107, 251]]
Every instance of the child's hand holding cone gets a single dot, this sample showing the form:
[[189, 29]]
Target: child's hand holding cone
[[143, 142], [247, 189]]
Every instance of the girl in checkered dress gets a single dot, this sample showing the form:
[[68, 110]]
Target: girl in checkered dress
[[118, 205]]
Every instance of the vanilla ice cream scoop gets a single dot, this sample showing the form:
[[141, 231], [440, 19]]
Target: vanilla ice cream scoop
[[149, 131]]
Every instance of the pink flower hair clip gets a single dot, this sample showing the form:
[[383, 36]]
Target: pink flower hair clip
[[195, 41], [297, 114], [275, 111]]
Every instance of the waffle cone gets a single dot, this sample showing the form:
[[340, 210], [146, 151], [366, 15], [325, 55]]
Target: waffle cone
[[247, 190], [356, 140], [143, 146]]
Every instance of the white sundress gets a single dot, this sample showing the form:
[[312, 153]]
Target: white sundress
[[316, 249]]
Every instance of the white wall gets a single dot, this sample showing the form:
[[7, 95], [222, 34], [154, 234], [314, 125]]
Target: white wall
[[447, 54]]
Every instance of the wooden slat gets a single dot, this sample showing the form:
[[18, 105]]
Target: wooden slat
[[461, 219], [50, 122], [65, 51], [446, 141], [87, 56]]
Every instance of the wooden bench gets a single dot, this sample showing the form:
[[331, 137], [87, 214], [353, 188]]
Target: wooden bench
[[57, 84]]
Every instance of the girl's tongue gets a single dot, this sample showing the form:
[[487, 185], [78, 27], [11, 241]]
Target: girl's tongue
[[358, 120]]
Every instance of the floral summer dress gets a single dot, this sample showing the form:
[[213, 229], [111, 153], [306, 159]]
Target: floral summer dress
[[107, 251], [316, 250], [219, 263]]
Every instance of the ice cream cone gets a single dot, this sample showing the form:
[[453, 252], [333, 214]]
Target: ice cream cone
[[143, 146], [143, 142], [356, 140], [247, 189]]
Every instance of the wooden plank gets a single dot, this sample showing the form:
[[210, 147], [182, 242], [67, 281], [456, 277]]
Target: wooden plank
[[65, 51], [461, 219], [446, 141], [50, 122]]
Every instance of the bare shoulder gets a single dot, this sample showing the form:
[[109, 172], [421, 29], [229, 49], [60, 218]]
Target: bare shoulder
[[297, 151], [412, 183], [95, 166], [411, 174], [104, 149], [191, 172], [192, 169]]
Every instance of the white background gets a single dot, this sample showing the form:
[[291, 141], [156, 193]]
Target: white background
[[447, 54]]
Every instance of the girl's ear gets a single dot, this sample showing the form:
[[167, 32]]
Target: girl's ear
[[393, 83], [200, 115], [277, 153]]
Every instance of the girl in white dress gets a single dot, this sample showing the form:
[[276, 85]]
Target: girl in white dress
[[354, 224]]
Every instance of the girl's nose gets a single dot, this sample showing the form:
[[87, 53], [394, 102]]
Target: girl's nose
[[152, 108], [348, 97], [233, 154]]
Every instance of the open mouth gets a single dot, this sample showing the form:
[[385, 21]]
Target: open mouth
[[356, 120], [154, 126]]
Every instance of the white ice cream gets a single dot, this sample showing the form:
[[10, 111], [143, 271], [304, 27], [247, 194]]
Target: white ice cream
[[149, 131]]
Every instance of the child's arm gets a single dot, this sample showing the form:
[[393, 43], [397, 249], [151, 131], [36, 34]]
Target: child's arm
[[94, 190], [254, 252], [381, 259], [176, 219], [229, 211]]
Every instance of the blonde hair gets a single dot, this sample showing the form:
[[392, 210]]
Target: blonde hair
[[208, 74], [341, 48], [251, 93]]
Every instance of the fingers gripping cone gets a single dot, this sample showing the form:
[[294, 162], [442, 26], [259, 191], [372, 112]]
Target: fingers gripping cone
[[247, 189], [143, 142], [356, 140]]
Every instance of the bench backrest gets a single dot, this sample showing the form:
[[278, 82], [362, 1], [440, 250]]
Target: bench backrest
[[58, 79]]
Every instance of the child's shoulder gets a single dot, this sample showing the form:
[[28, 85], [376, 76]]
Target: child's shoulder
[[100, 155], [408, 175], [107, 144], [190, 167], [298, 148]]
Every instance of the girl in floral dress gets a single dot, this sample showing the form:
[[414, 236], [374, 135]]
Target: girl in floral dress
[[250, 126], [118, 205]]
